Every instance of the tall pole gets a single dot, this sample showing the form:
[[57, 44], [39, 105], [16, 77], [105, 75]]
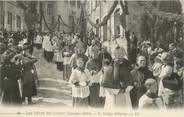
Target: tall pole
[[100, 17]]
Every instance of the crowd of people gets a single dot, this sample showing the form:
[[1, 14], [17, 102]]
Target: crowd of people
[[145, 77], [107, 79], [18, 79]]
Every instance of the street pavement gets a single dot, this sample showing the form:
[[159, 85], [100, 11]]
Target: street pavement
[[53, 90]]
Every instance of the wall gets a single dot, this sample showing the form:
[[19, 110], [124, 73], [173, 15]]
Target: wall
[[100, 13], [15, 10], [65, 9]]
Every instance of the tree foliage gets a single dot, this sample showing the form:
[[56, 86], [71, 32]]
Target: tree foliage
[[31, 16], [155, 28]]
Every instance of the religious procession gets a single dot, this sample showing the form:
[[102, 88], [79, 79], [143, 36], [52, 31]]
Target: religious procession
[[104, 54]]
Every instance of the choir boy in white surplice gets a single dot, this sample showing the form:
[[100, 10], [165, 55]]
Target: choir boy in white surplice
[[80, 85]]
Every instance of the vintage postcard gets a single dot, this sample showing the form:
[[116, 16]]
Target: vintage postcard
[[91, 58]]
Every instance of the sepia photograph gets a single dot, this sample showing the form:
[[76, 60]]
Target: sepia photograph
[[92, 58]]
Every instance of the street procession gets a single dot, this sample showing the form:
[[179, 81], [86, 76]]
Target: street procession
[[92, 54]]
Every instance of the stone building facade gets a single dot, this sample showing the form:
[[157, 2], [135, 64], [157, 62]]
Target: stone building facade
[[98, 10], [12, 16], [68, 10]]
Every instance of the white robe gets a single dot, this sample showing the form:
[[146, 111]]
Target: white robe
[[116, 98], [47, 44], [145, 101]]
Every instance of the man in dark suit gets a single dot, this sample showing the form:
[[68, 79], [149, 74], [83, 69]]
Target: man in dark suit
[[139, 74]]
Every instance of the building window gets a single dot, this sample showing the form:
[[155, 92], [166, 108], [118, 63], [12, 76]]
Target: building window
[[72, 2], [10, 18], [18, 22], [49, 9], [78, 4]]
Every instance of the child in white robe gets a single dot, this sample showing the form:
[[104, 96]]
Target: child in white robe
[[150, 99], [80, 85]]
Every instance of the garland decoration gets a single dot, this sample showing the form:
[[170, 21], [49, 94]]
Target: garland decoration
[[57, 22], [105, 19], [122, 17], [60, 19], [45, 22]]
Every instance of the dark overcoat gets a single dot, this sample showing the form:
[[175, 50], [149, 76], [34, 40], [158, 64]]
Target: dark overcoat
[[28, 77], [11, 93]]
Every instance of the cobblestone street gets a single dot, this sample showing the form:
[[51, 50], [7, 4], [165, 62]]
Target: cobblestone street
[[53, 90]]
